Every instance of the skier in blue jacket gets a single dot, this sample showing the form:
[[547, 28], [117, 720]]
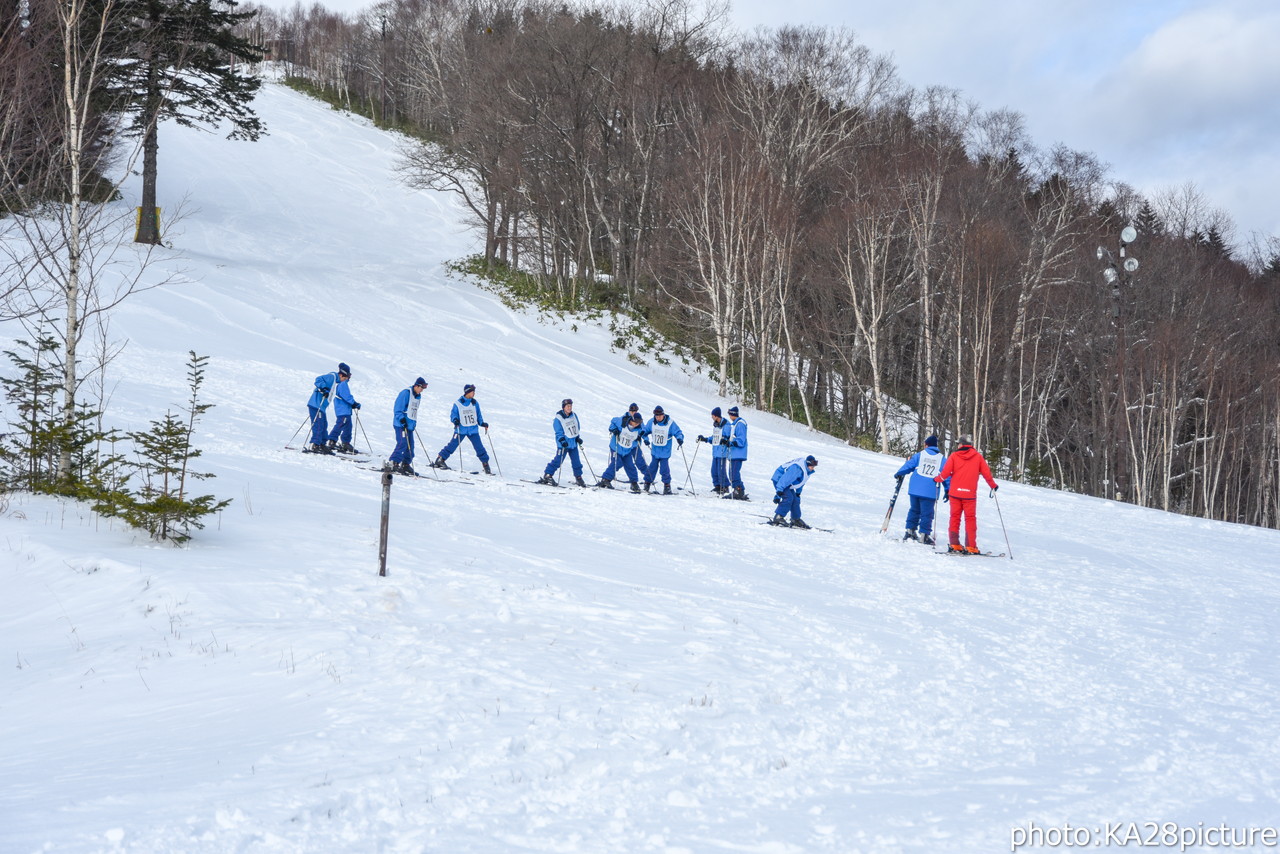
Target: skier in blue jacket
[[923, 467], [642, 465], [737, 454], [788, 481], [404, 421], [317, 410], [658, 434], [719, 452], [624, 432], [343, 405], [467, 421], [568, 433]]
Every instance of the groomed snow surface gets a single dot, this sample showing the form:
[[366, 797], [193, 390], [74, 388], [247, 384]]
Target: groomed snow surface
[[571, 670]]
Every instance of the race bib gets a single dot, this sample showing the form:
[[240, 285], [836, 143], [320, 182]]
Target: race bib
[[658, 436], [626, 439], [929, 465], [570, 427], [412, 409], [467, 416]]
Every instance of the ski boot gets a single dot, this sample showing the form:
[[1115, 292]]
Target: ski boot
[[440, 464], [800, 523], [485, 464], [927, 540], [332, 445], [910, 535], [347, 448], [779, 521], [578, 480], [317, 448], [406, 469], [740, 494], [956, 549], [973, 550], [546, 479], [635, 487], [605, 483], [666, 489], [647, 485]]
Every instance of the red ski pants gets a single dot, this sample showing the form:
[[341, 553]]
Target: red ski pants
[[968, 508]]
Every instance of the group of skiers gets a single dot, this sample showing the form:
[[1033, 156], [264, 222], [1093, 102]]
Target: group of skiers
[[956, 476]]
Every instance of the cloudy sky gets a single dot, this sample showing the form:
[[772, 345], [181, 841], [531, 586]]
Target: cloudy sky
[[1165, 91]]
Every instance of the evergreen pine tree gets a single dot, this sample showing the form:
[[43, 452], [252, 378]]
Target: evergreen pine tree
[[1213, 241], [1148, 222], [162, 507], [43, 435], [1271, 272], [31, 451], [182, 57]]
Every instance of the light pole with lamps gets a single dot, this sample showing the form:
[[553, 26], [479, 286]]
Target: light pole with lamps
[[1119, 275]]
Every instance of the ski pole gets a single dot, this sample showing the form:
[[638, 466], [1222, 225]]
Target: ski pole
[[892, 501], [299, 430], [493, 451], [1007, 547], [582, 450], [362, 433], [418, 437], [688, 470]]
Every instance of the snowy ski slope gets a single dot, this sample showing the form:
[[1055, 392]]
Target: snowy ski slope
[[568, 670]]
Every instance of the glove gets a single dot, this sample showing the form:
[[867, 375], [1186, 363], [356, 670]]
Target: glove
[[898, 477], [946, 496], [484, 424], [411, 426], [455, 421], [702, 438], [355, 406], [402, 422], [614, 431], [724, 440], [564, 444], [993, 489], [679, 443], [646, 441], [579, 441], [777, 497]]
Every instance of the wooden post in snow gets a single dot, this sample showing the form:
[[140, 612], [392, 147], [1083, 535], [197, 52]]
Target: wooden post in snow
[[386, 513]]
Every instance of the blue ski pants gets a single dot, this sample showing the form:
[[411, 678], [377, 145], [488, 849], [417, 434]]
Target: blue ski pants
[[920, 516], [735, 473], [341, 429], [404, 447], [656, 464], [572, 453], [481, 453], [789, 503], [319, 425], [624, 461]]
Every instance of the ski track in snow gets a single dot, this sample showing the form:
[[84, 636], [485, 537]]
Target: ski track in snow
[[570, 670]]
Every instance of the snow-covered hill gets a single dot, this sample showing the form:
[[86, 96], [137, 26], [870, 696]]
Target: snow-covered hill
[[572, 671]]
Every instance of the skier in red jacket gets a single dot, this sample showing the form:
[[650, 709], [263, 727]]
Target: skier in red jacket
[[963, 467]]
